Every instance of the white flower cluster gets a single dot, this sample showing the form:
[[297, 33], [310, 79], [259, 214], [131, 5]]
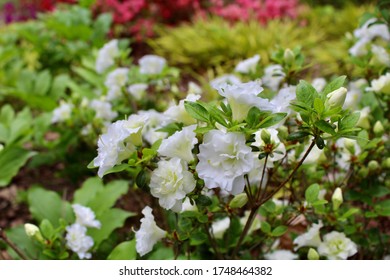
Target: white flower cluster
[[106, 56], [76, 234], [366, 34], [120, 140], [334, 246], [62, 113], [148, 234]]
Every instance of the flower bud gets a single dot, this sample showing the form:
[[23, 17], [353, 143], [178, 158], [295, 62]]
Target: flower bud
[[313, 255], [289, 57], [363, 172], [386, 163], [336, 98], [349, 144], [378, 128], [337, 198], [373, 165], [33, 231], [239, 200], [1, 147], [265, 136]]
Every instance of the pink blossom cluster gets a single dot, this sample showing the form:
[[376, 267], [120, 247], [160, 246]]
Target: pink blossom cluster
[[262, 10]]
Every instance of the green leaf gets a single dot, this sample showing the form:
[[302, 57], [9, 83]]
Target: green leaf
[[312, 192], [110, 220], [11, 160], [320, 143], [203, 200], [215, 113], [88, 191], [306, 93], [89, 76], [319, 105], [279, 231], [197, 111], [124, 251], [42, 83], [325, 127], [269, 206], [47, 229], [271, 120], [31, 248], [297, 135], [107, 197], [349, 121], [265, 227], [171, 128], [233, 233], [44, 204], [333, 85], [383, 208], [198, 237]]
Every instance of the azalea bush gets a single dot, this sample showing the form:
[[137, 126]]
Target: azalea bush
[[264, 158]]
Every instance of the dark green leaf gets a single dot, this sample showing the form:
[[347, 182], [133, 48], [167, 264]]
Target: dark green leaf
[[203, 200], [325, 127], [320, 143], [297, 135]]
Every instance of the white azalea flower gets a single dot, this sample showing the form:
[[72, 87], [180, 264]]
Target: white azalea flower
[[170, 183], [336, 246], [381, 85], [154, 121], [151, 64], [178, 113], [242, 97], [281, 255], [180, 144], [114, 92], [282, 100], [349, 149], [62, 113], [85, 216], [225, 79], [381, 56], [78, 241], [364, 119], [319, 84], [148, 234], [360, 48], [370, 30], [224, 159], [103, 110], [273, 76], [194, 88], [248, 65], [118, 142], [137, 91], [309, 239], [106, 56], [117, 78], [219, 227], [354, 94]]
